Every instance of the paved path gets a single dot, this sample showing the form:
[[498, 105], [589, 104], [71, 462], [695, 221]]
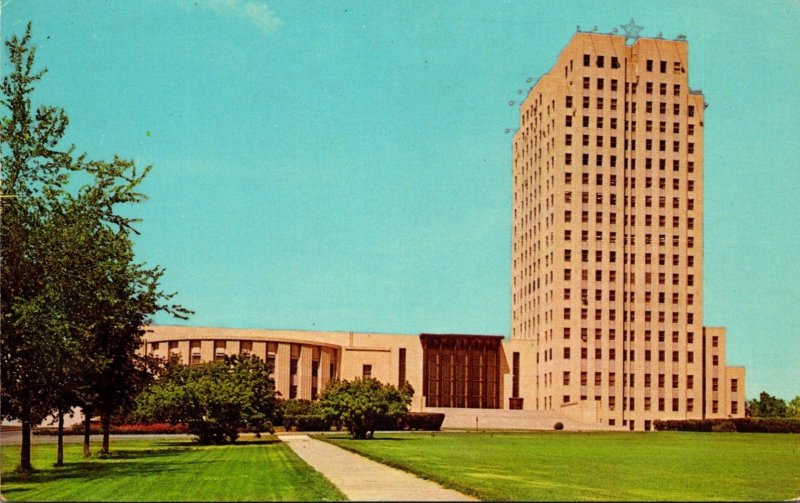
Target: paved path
[[362, 479]]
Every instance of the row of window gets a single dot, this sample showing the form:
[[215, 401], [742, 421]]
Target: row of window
[[630, 335], [586, 122], [627, 258], [629, 220], [661, 298], [600, 104], [629, 182], [600, 60], [630, 404], [630, 277], [629, 201], [629, 379], [614, 85], [627, 238], [629, 315]]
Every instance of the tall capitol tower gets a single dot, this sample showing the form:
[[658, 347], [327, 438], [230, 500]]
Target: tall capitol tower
[[607, 243]]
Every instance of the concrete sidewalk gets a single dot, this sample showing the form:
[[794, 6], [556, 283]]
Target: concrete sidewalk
[[362, 479]]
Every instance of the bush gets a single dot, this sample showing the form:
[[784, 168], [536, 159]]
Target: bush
[[365, 405], [306, 422], [558, 426], [724, 426], [740, 424], [427, 421], [216, 399], [121, 429], [293, 407]]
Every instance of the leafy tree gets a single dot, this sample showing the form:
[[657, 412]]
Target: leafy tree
[[793, 409], [73, 299], [215, 399], [34, 337], [767, 406], [364, 405]]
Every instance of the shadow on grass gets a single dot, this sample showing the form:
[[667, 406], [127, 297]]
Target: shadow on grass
[[96, 468]]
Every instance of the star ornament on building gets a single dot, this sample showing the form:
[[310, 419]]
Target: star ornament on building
[[631, 30]]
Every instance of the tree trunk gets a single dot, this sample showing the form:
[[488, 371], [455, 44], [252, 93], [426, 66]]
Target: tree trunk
[[87, 431], [25, 449], [106, 424], [60, 454]]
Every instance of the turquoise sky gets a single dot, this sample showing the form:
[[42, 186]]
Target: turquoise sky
[[344, 165]]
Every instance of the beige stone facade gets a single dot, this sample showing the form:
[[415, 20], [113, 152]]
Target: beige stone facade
[[607, 280], [607, 247]]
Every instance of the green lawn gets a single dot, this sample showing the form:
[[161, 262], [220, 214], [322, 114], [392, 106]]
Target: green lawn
[[597, 466], [142, 470]]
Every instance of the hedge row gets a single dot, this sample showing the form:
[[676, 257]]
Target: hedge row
[[411, 421], [740, 424], [119, 429], [428, 421], [306, 422]]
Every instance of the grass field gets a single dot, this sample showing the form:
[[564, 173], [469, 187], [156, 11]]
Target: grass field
[[561, 466], [147, 470]]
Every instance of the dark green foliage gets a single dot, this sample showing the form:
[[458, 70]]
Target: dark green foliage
[[301, 415], [428, 421], [365, 405], [293, 407], [307, 422], [216, 400], [740, 424], [767, 405], [73, 299], [723, 427]]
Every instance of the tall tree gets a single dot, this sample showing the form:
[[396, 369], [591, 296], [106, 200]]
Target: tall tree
[[34, 173], [74, 300], [767, 405]]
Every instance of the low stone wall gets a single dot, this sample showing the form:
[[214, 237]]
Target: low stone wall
[[497, 419]]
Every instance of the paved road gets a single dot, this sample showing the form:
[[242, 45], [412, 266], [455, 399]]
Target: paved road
[[362, 479]]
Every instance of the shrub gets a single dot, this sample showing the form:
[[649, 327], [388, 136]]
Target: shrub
[[307, 422], [558, 426], [740, 424], [216, 399], [724, 426], [427, 421], [121, 429], [365, 405]]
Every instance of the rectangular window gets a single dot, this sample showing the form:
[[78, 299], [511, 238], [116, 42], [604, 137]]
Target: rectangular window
[[515, 375], [246, 347], [366, 371], [401, 373]]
